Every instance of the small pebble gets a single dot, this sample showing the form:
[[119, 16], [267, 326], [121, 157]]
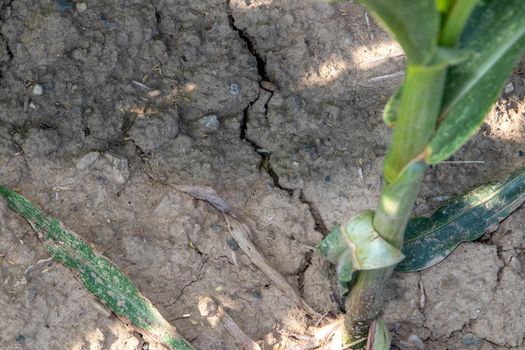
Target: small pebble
[[154, 93], [267, 85], [298, 102], [235, 89], [327, 178], [81, 7], [140, 85], [416, 341], [87, 160], [38, 89], [521, 153], [470, 340], [257, 294], [20, 338], [263, 151], [210, 122], [64, 5], [440, 198]]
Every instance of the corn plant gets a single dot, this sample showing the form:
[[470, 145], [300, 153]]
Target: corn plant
[[459, 54]]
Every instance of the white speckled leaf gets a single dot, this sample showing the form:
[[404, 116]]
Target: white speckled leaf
[[495, 37], [429, 240]]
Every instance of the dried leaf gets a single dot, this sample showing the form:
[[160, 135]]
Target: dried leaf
[[207, 194]]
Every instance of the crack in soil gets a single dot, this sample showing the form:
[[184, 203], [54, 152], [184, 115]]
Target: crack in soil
[[194, 280], [245, 37], [302, 270], [3, 37], [160, 35], [9, 51], [499, 253], [465, 329], [265, 157]]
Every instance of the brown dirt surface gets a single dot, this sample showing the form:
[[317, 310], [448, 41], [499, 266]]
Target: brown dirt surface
[[275, 104]]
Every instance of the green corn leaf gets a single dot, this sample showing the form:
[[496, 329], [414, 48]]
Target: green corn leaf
[[414, 24], [98, 274], [495, 37], [429, 240]]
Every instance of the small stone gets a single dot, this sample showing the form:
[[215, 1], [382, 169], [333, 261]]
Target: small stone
[[469, 339], [508, 88], [235, 89], [114, 167], [416, 342], [521, 153], [110, 167], [327, 178], [64, 5], [257, 294], [268, 85], [264, 151], [210, 122], [154, 93], [20, 338], [38, 89], [81, 7], [88, 160], [298, 102]]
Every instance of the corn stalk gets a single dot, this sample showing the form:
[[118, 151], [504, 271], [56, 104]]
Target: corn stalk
[[459, 55]]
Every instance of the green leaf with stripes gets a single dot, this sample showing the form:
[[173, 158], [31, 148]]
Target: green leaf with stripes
[[495, 38], [98, 274], [429, 240]]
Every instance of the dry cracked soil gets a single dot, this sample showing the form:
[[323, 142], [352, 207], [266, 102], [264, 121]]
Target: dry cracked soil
[[276, 104]]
